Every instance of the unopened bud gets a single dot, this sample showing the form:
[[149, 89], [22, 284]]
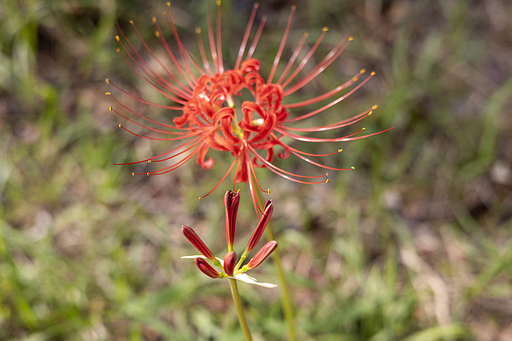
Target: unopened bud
[[230, 262], [206, 268], [194, 239], [260, 228], [265, 251]]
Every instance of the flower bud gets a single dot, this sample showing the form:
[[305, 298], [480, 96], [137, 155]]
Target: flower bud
[[193, 238], [230, 262], [231, 201], [206, 268], [260, 228], [265, 251]]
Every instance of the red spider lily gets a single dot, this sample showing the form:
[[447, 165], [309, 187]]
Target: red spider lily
[[229, 266], [204, 99]]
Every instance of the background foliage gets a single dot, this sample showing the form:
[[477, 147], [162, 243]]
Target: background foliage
[[413, 245]]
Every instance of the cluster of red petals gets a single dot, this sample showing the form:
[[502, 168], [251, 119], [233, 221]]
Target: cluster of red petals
[[210, 118], [230, 259], [206, 111]]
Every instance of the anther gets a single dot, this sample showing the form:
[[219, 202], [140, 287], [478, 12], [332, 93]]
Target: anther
[[218, 2], [352, 167], [371, 112], [256, 4], [106, 80], [109, 108], [362, 71], [200, 198], [117, 38], [168, 3], [375, 107], [372, 74], [350, 38], [154, 20], [268, 191], [363, 129], [325, 29], [107, 93], [131, 22], [133, 173], [326, 174], [118, 50], [294, 7], [157, 34], [198, 30], [147, 174], [119, 125], [340, 150], [355, 79], [149, 161], [306, 34], [327, 181]]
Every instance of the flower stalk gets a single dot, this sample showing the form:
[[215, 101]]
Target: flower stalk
[[239, 309]]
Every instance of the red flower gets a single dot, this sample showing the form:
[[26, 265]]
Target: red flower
[[209, 115], [229, 265]]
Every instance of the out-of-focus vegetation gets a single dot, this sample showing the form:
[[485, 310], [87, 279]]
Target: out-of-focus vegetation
[[413, 245]]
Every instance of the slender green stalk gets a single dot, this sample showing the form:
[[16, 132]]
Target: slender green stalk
[[286, 302], [239, 309]]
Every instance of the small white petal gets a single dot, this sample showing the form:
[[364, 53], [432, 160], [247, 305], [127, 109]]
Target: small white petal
[[251, 280], [203, 257]]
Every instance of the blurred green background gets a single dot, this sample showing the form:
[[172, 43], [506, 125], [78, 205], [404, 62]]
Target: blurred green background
[[412, 245]]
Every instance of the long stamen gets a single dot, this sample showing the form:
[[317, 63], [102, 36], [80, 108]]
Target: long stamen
[[152, 159], [144, 117], [256, 38], [237, 169], [145, 126], [246, 36], [256, 179], [219, 41], [159, 34], [333, 92], [141, 100], [177, 100], [178, 40], [331, 56], [206, 64], [182, 93], [281, 46], [157, 138], [175, 165], [282, 172], [306, 59], [293, 57], [221, 180], [332, 126], [336, 101], [213, 49], [339, 139]]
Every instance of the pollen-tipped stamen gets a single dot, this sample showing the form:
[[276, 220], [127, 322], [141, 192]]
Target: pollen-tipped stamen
[[328, 59], [256, 38], [305, 60], [327, 106], [281, 46], [246, 36]]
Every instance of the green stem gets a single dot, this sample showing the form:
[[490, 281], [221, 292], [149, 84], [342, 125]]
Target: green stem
[[239, 309], [286, 302]]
